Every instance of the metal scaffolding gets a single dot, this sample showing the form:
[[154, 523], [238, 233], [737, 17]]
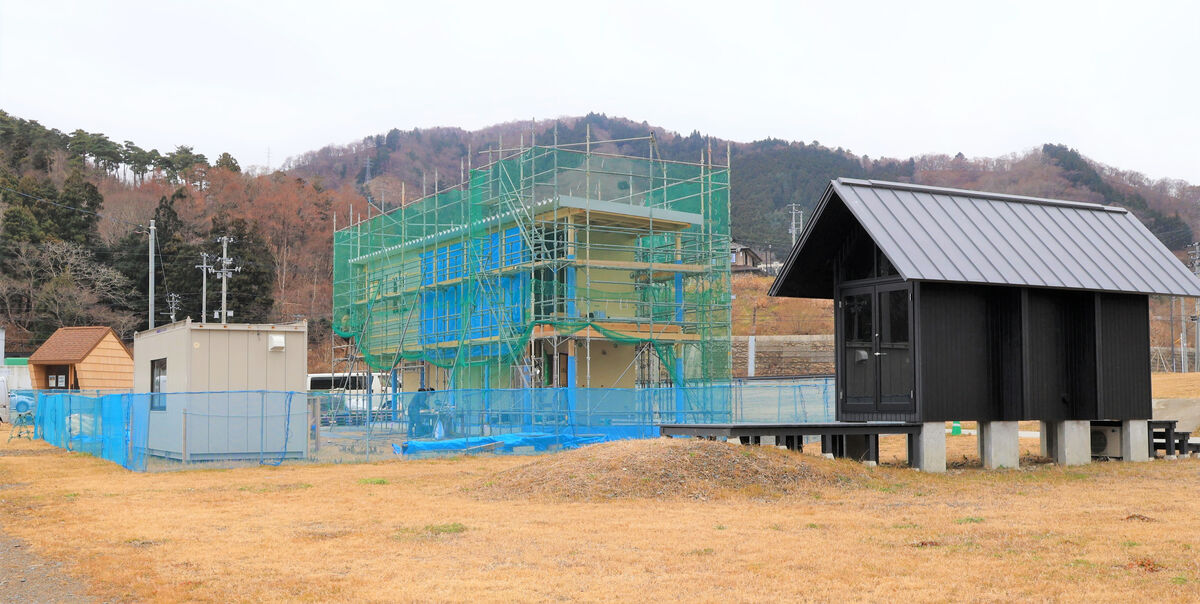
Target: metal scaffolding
[[550, 266]]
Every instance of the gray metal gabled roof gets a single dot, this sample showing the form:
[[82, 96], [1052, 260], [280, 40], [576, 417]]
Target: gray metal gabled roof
[[954, 235]]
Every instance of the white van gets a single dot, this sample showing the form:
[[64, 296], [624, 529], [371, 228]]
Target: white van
[[12, 377], [354, 389]]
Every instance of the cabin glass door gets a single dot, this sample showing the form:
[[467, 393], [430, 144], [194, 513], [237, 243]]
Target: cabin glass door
[[894, 349], [877, 360], [858, 351]]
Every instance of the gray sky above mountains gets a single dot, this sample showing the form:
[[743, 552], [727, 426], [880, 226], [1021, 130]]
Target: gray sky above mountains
[[1118, 81]]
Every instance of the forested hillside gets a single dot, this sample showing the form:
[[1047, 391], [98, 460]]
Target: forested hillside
[[76, 207], [74, 242]]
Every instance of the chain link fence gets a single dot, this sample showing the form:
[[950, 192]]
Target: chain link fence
[[168, 431]]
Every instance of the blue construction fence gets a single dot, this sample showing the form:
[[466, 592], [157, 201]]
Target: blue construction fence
[[167, 431]]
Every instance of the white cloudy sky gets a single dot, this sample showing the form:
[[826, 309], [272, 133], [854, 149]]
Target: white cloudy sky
[[1119, 81]]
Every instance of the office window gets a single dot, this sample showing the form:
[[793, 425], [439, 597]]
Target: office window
[[158, 384]]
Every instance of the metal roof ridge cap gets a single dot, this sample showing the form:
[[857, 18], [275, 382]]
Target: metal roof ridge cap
[[1082, 205], [854, 181]]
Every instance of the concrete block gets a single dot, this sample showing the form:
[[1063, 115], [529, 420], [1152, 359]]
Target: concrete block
[[999, 445], [1047, 440], [1135, 440], [1072, 442], [767, 441], [927, 451]]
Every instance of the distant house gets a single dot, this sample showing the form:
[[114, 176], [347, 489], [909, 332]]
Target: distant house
[[82, 358], [743, 259]]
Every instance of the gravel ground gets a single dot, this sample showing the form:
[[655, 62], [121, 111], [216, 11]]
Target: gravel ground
[[25, 577]]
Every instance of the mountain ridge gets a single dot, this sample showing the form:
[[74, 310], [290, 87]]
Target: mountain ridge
[[766, 175]]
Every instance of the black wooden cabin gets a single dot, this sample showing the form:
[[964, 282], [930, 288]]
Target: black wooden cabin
[[964, 305]]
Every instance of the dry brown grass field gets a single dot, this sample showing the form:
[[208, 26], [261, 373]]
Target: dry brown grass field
[[1176, 385], [647, 520], [753, 312]]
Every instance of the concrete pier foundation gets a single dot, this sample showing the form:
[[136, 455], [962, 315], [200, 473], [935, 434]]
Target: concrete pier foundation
[[1068, 443], [927, 449], [1047, 439], [1135, 440], [999, 446]]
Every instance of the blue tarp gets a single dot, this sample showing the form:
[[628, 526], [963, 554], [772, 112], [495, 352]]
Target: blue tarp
[[501, 443]]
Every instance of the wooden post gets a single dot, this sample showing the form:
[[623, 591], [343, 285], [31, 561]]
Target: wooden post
[[314, 418]]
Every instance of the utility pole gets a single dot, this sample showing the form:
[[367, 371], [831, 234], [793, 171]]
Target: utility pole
[[1171, 340], [1194, 256], [205, 269], [173, 305], [151, 274], [797, 221], [225, 272], [1183, 334]]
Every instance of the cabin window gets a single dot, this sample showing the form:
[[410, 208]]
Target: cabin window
[[859, 261], [863, 260], [883, 266]]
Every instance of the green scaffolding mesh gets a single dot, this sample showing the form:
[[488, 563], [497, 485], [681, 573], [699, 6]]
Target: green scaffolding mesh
[[552, 264]]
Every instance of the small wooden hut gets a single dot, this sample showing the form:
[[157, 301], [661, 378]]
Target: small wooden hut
[[82, 358]]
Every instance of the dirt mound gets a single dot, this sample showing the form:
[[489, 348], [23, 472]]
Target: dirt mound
[[666, 468]]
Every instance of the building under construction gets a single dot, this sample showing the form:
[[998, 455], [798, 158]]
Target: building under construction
[[551, 266]]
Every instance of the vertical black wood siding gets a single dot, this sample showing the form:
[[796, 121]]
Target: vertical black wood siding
[[1124, 356]]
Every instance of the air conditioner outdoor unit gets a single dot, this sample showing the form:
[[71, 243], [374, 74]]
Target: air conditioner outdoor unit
[[1106, 441]]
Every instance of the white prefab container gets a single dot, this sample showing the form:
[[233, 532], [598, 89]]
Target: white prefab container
[[209, 426], [213, 357], [212, 379]]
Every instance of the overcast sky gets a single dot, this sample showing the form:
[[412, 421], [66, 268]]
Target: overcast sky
[[1118, 81]]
